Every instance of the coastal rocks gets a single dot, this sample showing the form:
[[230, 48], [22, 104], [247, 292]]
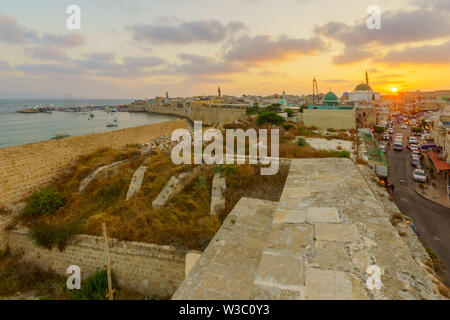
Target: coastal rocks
[[160, 143], [136, 181], [84, 183], [217, 198]]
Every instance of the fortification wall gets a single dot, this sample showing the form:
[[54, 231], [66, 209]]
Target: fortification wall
[[146, 268], [209, 115], [336, 119], [26, 168]]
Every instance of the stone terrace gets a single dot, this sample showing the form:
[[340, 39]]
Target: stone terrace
[[315, 244]]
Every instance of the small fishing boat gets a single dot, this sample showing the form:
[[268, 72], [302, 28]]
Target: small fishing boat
[[110, 125]]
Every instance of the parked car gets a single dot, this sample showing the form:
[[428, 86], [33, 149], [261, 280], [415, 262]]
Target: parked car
[[385, 137], [403, 126], [390, 131], [383, 147], [419, 175]]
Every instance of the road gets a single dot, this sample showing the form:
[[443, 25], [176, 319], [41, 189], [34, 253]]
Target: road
[[431, 220]]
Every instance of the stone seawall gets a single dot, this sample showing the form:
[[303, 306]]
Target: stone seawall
[[209, 115], [146, 268], [26, 168]]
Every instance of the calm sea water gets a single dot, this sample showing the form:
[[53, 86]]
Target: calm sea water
[[19, 128]]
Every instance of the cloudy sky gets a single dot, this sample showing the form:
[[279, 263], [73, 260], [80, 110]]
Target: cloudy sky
[[139, 49]]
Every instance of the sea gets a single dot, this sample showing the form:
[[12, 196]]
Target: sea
[[22, 128]]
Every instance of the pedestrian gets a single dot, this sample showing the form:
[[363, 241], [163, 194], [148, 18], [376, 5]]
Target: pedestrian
[[392, 189]]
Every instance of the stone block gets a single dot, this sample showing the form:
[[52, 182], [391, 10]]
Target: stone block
[[322, 214], [336, 232]]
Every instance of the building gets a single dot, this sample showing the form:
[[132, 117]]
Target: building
[[363, 93], [329, 114]]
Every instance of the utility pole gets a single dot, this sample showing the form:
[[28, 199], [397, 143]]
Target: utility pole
[[108, 265]]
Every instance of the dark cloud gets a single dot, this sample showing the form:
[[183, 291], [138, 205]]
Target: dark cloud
[[206, 31], [47, 53], [12, 32], [262, 48], [426, 54], [70, 40], [396, 28], [352, 54], [201, 65], [133, 63], [41, 69]]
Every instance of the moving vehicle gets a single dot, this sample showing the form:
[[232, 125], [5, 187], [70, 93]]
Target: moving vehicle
[[390, 130], [385, 136], [415, 161], [398, 145], [419, 175], [403, 126], [412, 140]]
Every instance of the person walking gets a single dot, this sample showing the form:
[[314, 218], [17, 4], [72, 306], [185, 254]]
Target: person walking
[[392, 187]]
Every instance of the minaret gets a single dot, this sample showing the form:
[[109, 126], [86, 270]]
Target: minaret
[[167, 95], [284, 99], [219, 92], [367, 78]]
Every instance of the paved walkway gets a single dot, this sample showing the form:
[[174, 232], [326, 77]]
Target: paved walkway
[[327, 229]]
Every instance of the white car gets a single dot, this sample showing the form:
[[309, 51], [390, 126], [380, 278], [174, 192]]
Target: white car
[[403, 126], [412, 140], [419, 175], [390, 130]]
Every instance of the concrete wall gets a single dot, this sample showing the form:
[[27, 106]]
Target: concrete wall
[[146, 268], [336, 119], [209, 115], [26, 168]]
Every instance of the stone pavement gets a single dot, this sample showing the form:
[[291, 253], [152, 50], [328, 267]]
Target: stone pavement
[[327, 229]]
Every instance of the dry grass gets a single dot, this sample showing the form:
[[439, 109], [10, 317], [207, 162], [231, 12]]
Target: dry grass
[[184, 222], [246, 181], [292, 150], [444, 290], [22, 280]]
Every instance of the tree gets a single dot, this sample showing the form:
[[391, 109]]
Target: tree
[[289, 112], [417, 130], [379, 129], [269, 117]]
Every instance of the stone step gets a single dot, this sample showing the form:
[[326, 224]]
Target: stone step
[[227, 268]]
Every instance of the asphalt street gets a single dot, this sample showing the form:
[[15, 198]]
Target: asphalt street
[[431, 220]]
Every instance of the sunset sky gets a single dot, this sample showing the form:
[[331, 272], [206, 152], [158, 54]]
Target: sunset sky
[[139, 49]]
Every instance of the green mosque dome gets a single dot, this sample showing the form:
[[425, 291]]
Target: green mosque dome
[[363, 87], [330, 96], [330, 99]]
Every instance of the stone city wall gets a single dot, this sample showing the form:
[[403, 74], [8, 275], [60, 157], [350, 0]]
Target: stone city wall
[[142, 267], [209, 115], [27, 168]]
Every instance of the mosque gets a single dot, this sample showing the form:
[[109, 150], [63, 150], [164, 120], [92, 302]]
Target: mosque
[[363, 93]]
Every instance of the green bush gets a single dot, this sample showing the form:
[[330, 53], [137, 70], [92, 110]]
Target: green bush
[[342, 154], [225, 170], [95, 287], [48, 235], [269, 117], [288, 126], [45, 201], [302, 142], [330, 130], [289, 112], [252, 110]]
